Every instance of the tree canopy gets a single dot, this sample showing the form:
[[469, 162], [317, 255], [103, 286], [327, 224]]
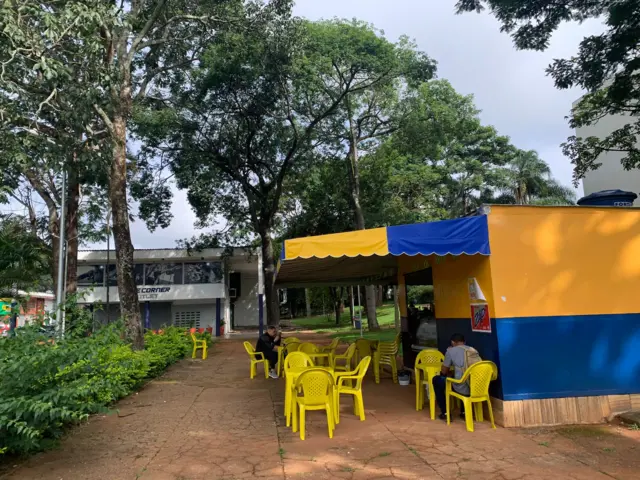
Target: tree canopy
[[274, 125], [607, 66], [24, 259]]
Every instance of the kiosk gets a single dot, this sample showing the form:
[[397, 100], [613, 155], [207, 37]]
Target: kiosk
[[550, 294]]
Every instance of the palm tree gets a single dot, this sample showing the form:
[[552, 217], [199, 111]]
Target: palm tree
[[531, 183]]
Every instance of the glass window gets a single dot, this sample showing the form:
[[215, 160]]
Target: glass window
[[90, 275], [112, 277], [203, 272], [138, 271], [163, 274]]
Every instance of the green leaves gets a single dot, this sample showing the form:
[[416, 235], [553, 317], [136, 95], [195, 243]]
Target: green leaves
[[606, 66], [46, 387], [24, 259]]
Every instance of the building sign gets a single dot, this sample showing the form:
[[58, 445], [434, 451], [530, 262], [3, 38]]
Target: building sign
[[480, 319], [152, 293]]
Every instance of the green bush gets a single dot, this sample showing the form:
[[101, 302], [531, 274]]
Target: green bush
[[420, 294], [46, 386], [167, 348]]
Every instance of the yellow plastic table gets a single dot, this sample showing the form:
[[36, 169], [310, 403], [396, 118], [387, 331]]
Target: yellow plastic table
[[292, 376], [429, 371]]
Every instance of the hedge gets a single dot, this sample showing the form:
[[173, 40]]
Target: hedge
[[48, 386]]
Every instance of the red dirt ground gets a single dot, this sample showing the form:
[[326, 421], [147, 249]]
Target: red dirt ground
[[208, 420]]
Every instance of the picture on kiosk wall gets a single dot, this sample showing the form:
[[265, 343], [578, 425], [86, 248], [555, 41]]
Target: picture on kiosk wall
[[480, 319]]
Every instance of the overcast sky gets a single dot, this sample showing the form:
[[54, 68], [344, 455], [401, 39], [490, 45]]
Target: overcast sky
[[509, 86]]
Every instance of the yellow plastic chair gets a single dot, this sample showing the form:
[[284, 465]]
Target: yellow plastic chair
[[479, 376], [316, 385], [198, 345], [256, 358], [310, 348], [363, 348], [346, 356], [331, 348], [386, 354], [307, 348], [288, 340], [292, 347], [355, 390], [295, 360], [429, 364]]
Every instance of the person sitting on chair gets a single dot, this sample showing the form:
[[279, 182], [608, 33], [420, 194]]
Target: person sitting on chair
[[268, 344], [456, 358]]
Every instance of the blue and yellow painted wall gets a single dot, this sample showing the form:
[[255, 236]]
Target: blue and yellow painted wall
[[563, 286]]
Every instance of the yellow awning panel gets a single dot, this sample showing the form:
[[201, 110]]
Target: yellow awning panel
[[350, 244]]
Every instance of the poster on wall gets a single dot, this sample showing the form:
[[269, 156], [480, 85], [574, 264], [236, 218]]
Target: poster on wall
[[480, 319], [475, 293]]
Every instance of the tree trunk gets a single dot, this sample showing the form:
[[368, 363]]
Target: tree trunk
[[269, 273], [354, 184], [307, 301], [336, 299], [379, 296], [73, 205], [127, 291]]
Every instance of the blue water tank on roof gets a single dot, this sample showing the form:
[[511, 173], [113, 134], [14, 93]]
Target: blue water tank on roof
[[610, 198]]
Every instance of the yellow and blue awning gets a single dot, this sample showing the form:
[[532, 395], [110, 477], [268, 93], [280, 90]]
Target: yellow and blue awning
[[368, 256]]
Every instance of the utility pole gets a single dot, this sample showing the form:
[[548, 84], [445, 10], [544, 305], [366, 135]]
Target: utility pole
[[64, 290], [61, 253], [106, 269]]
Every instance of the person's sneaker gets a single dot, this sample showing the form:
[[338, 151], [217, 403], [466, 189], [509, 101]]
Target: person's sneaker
[[443, 416], [273, 374]]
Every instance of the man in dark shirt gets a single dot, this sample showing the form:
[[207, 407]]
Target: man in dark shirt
[[268, 344]]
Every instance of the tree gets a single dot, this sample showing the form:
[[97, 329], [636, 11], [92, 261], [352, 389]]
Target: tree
[[450, 157], [118, 54], [24, 261], [34, 182], [318, 201], [43, 132], [354, 52], [336, 294], [530, 182], [242, 123], [606, 66]]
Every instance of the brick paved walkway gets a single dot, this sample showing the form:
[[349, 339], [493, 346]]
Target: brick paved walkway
[[207, 420]]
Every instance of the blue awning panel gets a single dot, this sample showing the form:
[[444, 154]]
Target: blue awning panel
[[468, 236]]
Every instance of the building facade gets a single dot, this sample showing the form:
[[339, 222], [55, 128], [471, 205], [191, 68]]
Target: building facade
[[610, 175], [211, 288]]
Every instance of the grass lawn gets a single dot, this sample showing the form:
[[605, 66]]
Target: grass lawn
[[345, 331]]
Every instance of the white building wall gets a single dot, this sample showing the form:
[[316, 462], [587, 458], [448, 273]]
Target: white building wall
[[168, 300], [246, 307], [611, 175]]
